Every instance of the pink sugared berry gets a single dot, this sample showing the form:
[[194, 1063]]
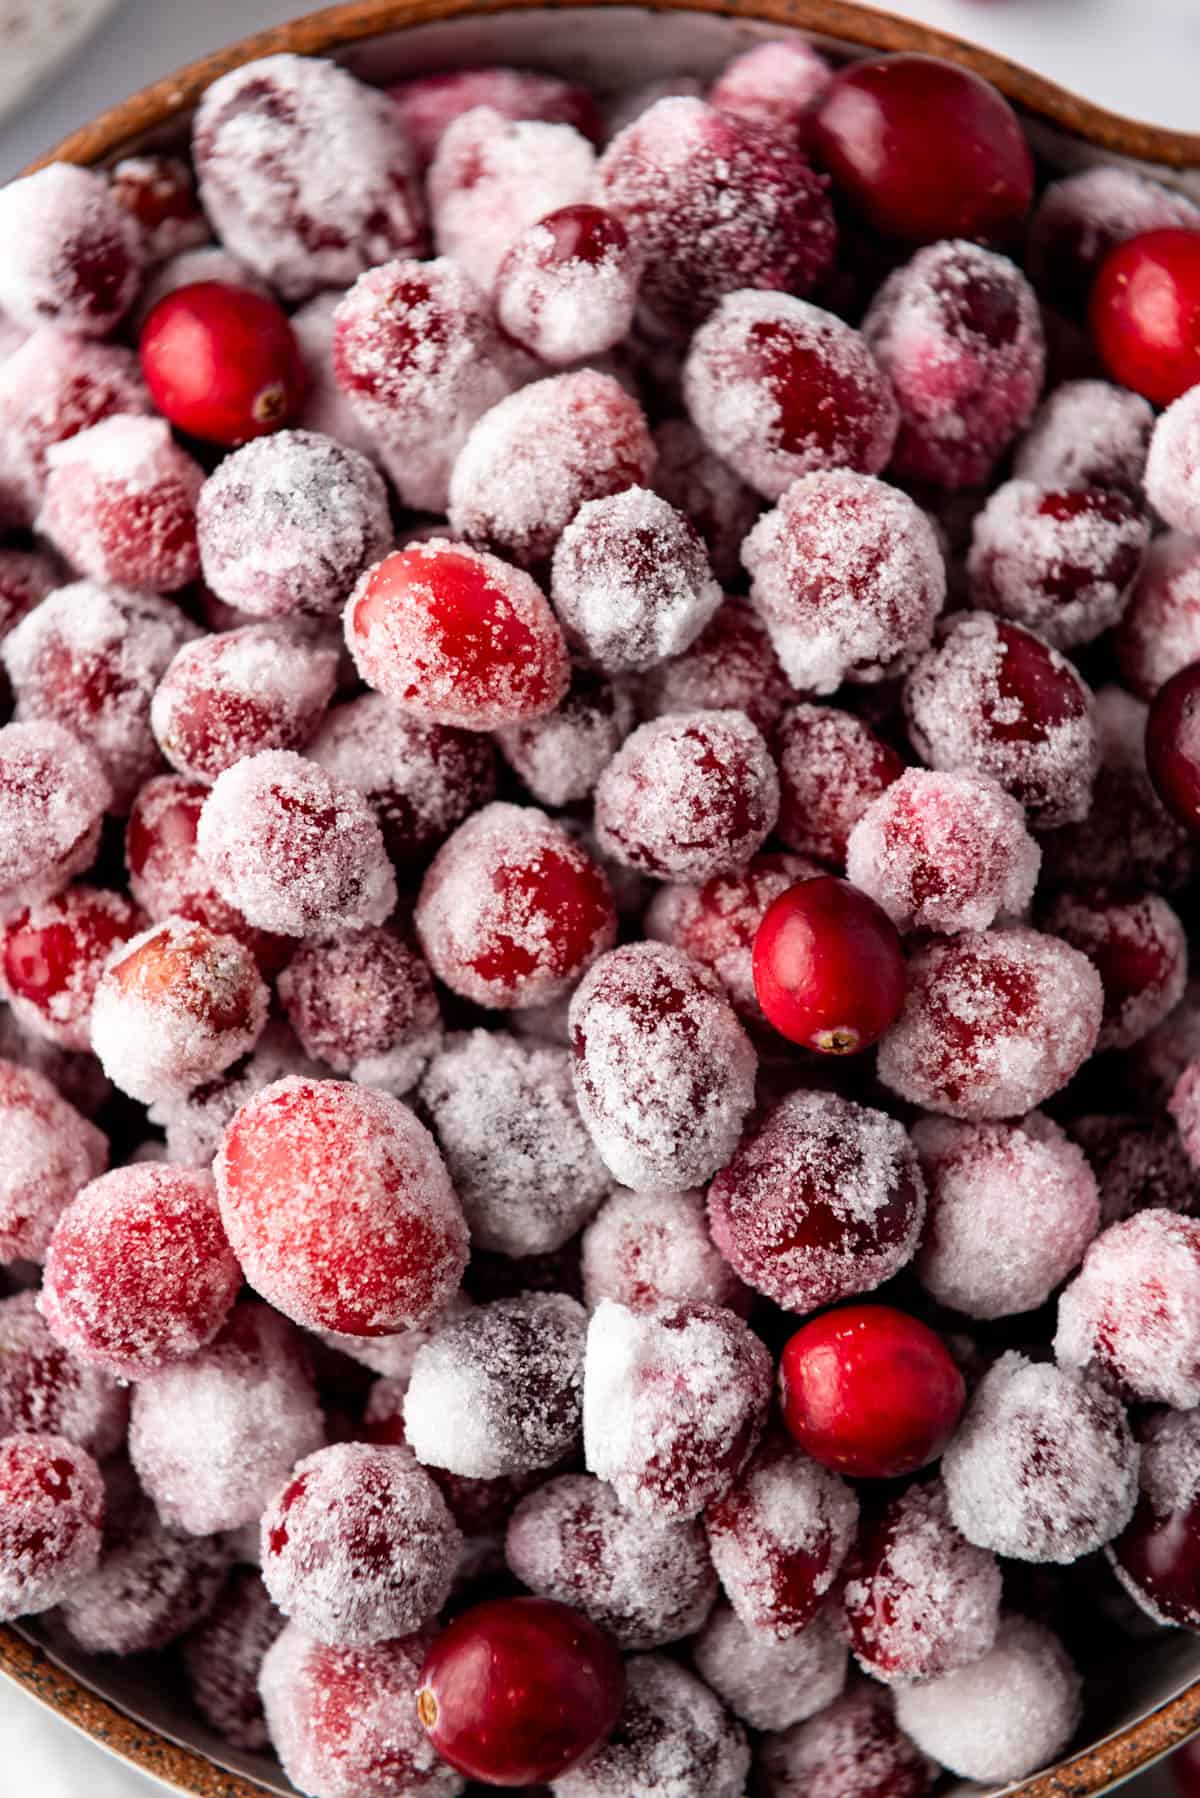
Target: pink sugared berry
[[26, 577], [831, 767], [566, 288], [776, 85], [766, 1682], [70, 255], [45, 1391], [1144, 313], [648, 1248], [1137, 943], [1087, 434], [673, 1735], [1159, 632], [51, 956], [159, 194], [221, 362], [828, 967], [51, 1507], [730, 667], [716, 923], [223, 1656], [427, 104], [853, 1749], [52, 1152], [364, 1004], [53, 795], [1132, 1313]]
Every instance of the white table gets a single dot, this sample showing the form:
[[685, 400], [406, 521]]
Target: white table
[[1137, 56]]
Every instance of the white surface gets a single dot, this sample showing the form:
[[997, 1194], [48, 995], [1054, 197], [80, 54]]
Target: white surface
[[36, 35], [1137, 56]]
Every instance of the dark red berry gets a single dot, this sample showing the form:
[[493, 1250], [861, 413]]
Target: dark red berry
[[1145, 313], [828, 967], [1185, 1769], [1173, 745], [222, 363], [870, 1391]]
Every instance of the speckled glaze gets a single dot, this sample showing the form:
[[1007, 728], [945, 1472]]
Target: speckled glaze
[[389, 38]]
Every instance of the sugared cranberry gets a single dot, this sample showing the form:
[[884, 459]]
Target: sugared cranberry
[[1079, 219], [26, 577], [775, 85], [716, 923], [1138, 945], [1087, 434], [1160, 631], [159, 194], [831, 767], [1132, 1313], [767, 1682], [429, 103], [567, 286], [828, 967], [706, 490], [51, 1153], [51, 955], [339, 1207], [1145, 313], [1173, 745], [50, 1515], [53, 794], [924, 149], [561, 755], [518, 1690], [364, 1004], [46, 1391], [852, 1749], [778, 388], [1157, 1556], [70, 255], [673, 1735], [221, 362], [1139, 1164], [222, 1659], [645, 1249]]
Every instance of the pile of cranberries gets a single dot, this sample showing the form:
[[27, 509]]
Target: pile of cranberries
[[600, 785]]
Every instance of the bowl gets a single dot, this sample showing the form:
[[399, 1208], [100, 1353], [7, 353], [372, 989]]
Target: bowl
[[135, 1708]]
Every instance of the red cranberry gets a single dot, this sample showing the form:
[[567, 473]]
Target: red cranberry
[[924, 149], [828, 967], [51, 956], [1079, 219], [870, 1391], [53, 386], [72, 254], [1138, 945], [644, 1249], [567, 287], [1145, 313], [518, 1690], [159, 194], [222, 1659], [52, 1152], [221, 362], [428, 103], [854, 1748], [46, 1391], [1173, 745], [51, 1506], [768, 1683], [831, 766], [1157, 1556]]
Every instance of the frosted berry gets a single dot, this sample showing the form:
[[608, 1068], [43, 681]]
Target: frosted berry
[[51, 955], [428, 103], [1087, 434], [221, 362], [53, 1503], [1173, 464], [716, 923], [1137, 943], [1132, 1313], [1157, 1556], [339, 1207], [561, 755], [120, 504], [852, 1749], [50, 1154], [1144, 313], [223, 1656], [1081, 218], [159, 195], [1160, 631], [53, 795], [26, 577], [706, 490], [673, 1735], [646, 1249], [187, 269], [328, 411], [1140, 1164], [769, 1683], [70, 255], [831, 767], [776, 85], [1173, 746], [364, 1005], [828, 967], [566, 287], [44, 1391]]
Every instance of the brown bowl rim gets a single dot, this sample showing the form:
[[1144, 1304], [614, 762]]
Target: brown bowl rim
[[1138, 1745]]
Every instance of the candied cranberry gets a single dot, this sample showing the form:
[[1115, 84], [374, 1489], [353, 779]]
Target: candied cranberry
[[673, 1735], [120, 1308], [70, 255], [45, 1391], [716, 923], [53, 794], [1144, 313], [1081, 218], [120, 504], [1160, 631], [52, 1504], [427, 104], [1087, 434], [159, 194], [828, 967], [1157, 1556], [992, 698], [152, 1585], [531, 461], [296, 850], [306, 173], [1132, 1313], [701, 486], [646, 1249], [49, 1153], [1137, 944], [957, 332], [561, 755], [822, 1200], [1005, 1715], [479, 1507], [1173, 745], [26, 577], [455, 636], [520, 1158], [852, 1749], [715, 205], [566, 287], [290, 523], [1173, 464], [78, 1077], [340, 1208], [918, 1599], [1140, 1164], [775, 85], [674, 1401], [328, 411], [221, 362], [778, 388], [517, 1690], [224, 1654], [364, 1004], [766, 1682], [51, 955], [831, 767], [664, 1073]]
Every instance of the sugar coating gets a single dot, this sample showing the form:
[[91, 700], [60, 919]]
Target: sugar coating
[[417, 354], [776, 85], [995, 1021], [208, 262], [327, 410], [44, 1391], [392, 1357], [1043, 1466], [520, 1157], [531, 461], [512, 909], [1087, 434], [1140, 1164], [673, 1736], [674, 1400], [340, 1208], [562, 303], [79, 1078], [358, 1546], [561, 755], [160, 195], [831, 767], [1138, 943], [1160, 631], [139, 1272], [769, 1683], [706, 490], [344, 1722], [716, 206], [53, 795], [174, 1007], [70, 255], [1012, 1208], [1003, 1717], [195, 1122], [664, 1073], [499, 1390], [223, 1655], [1132, 1313], [306, 174], [1080, 218], [993, 699], [847, 574], [944, 852], [958, 332], [631, 581], [1173, 464], [26, 577], [53, 1503], [822, 1200], [716, 923], [48, 1153], [364, 1004], [779, 388], [852, 1749], [648, 1248], [290, 522], [429, 103], [919, 1600], [51, 387], [293, 848], [645, 1583]]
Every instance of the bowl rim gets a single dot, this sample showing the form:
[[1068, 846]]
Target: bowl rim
[[1137, 1745]]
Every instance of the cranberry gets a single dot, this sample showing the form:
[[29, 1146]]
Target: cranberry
[[365, 1006], [828, 967], [46, 1391], [1138, 945], [1157, 1556], [831, 766], [870, 1391], [701, 486], [776, 85], [562, 755], [72, 255], [924, 149], [53, 794], [1160, 631], [518, 1690], [1087, 434], [673, 1736], [428, 103], [1132, 1312], [52, 1504], [1145, 313], [1173, 745], [768, 1683], [159, 194], [51, 955], [854, 1749], [26, 577], [567, 286], [52, 1153], [221, 362], [1079, 219], [644, 1249], [223, 1656], [716, 923]]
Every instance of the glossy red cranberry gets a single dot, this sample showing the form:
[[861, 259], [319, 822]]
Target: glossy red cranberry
[[925, 150], [1158, 1555], [517, 1690], [828, 967], [1173, 745], [870, 1391], [1145, 313], [221, 362]]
